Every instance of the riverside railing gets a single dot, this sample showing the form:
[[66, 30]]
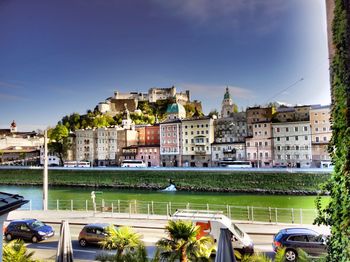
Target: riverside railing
[[149, 208]]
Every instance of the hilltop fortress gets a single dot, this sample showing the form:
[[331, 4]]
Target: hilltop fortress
[[116, 104]]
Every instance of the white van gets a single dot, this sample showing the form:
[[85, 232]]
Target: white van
[[210, 223]]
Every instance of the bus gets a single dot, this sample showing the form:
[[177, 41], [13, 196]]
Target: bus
[[77, 164], [235, 164], [133, 163]]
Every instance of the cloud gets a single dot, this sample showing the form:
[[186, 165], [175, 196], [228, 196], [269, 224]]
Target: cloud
[[11, 97], [262, 14], [8, 85]]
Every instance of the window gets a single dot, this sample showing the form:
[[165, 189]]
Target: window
[[278, 139], [325, 139], [277, 129], [288, 156], [305, 128], [266, 143], [296, 138], [287, 129], [317, 139], [306, 138], [296, 129], [296, 147], [278, 148], [287, 138]]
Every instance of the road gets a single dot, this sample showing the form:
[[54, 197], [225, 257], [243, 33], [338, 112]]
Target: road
[[199, 169], [46, 250]]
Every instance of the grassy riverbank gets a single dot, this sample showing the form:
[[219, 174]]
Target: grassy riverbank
[[225, 181]]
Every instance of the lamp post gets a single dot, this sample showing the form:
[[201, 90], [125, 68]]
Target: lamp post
[[45, 175]]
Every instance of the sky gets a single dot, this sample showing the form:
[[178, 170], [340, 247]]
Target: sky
[[63, 56]]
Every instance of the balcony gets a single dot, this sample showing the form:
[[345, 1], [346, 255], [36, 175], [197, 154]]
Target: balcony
[[200, 152], [229, 151]]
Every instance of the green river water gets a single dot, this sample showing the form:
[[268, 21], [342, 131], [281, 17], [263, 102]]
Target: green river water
[[34, 194]]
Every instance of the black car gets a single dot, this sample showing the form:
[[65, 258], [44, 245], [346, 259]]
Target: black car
[[28, 229], [306, 239]]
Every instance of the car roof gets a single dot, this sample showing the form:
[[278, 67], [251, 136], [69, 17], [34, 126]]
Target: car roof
[[291, 231], [23, 220], [102, 225]]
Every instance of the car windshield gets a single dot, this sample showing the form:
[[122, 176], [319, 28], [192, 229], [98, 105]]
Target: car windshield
[[36, 224], [239, 232]]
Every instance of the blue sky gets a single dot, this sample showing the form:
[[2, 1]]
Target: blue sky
[[63, 56]]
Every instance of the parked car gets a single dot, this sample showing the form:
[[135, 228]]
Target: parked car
[[292, 239], [92, 234], [28, 229]]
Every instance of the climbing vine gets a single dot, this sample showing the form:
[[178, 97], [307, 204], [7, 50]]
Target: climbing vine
[[337, 213]]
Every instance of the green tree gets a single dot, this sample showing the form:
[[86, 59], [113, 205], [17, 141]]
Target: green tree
[[59, 142], [337, 213], [182, 243], [16, 251], [127, 243], [213, 112]]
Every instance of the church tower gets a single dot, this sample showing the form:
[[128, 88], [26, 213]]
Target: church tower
[[13, 127], [227, 104]]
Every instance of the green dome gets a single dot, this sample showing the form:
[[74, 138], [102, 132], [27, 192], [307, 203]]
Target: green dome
[[175, 108], [227, 94]]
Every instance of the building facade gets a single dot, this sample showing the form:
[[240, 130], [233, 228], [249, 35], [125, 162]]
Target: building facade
[[197, 137], [321, 134], [292, 144], [259, 146], [170, 143], [234, 151], [231, 129], [149, 154], [258, 115]]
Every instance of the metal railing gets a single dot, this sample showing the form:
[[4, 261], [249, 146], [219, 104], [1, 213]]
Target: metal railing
[[149, 208]]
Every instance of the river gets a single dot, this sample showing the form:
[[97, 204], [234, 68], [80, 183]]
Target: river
[[34, 194]]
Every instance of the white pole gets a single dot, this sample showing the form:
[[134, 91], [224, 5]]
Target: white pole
[[45, 178]]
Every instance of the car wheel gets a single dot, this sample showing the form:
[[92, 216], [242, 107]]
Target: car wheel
[[291, 255], [82, 242], [8, 237], [35, 239]]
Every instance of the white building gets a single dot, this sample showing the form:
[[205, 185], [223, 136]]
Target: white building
[[235, 151], [292, 143]]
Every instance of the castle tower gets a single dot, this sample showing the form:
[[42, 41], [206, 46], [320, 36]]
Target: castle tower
[[126, 120], [13, 127], [227, 104]]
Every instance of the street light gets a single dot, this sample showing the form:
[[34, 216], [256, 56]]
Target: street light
[[45, 175]]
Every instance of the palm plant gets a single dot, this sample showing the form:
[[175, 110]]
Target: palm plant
[[279, 257], [182, 243], [127, 243], [16, 251]]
